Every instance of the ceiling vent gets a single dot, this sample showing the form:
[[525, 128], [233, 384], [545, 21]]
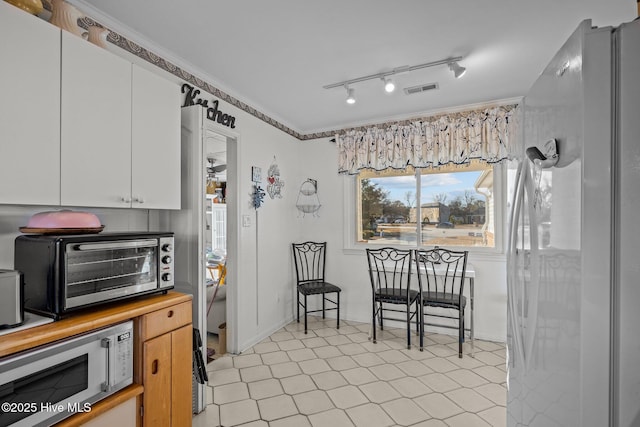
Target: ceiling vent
[[420, 88]]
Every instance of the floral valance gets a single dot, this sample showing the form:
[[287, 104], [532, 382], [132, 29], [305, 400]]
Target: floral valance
[[428, 142]]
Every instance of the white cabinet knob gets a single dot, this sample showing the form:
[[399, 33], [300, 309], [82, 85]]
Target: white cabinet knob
[[126, 199], [138, 199]]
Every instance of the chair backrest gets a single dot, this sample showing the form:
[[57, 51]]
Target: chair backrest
[[309, 260], [441, 271], [390, 268]]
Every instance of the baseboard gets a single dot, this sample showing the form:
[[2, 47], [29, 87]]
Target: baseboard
[[264, 334]]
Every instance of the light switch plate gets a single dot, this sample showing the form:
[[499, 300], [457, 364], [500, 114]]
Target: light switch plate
[[246, 221]]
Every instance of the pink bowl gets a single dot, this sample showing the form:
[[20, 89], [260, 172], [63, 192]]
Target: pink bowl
[[64, 219]]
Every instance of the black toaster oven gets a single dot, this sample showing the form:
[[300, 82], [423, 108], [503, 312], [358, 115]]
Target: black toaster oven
[[63, 273]]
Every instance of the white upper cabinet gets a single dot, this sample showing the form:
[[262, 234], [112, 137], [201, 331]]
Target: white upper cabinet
[[155, 146], [81, 126], [96, 126], [120, 131], [29, 109]]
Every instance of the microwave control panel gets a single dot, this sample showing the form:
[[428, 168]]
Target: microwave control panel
[[124, 356]]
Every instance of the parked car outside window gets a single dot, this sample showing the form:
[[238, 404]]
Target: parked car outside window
[[445, 225]]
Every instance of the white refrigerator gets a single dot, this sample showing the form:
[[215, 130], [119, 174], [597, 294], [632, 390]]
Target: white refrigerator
[[573, 257]]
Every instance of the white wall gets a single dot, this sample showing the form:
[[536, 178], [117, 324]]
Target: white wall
[[264, 275]]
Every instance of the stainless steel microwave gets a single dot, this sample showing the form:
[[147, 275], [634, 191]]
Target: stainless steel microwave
[[42, 386], [66, 273]]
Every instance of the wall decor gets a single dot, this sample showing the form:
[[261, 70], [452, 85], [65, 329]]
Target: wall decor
[[97, 35], [65, 16], [274, 183], [213, 114], [308, 201], [33, 7], [257, 196], [256, 174]]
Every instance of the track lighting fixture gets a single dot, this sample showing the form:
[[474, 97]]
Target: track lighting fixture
[[389, 85], [351, 97], [458, 71]]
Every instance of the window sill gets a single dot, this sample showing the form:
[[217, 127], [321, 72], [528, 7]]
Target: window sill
[[479, 254]]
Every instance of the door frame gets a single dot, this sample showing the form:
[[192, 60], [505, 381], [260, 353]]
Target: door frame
[[233, 235]]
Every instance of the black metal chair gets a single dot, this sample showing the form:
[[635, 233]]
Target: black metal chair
[[309, 259], [441, 276], [390, 271]]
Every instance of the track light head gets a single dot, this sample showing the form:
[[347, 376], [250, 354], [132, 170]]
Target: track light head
[[351, 95], [458, 70], [389, 85]]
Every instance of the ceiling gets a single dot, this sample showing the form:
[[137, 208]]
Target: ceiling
[[277, 55]]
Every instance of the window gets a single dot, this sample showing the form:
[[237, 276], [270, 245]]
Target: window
[[451, 206]]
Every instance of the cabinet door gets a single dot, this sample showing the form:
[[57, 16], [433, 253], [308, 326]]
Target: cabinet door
[[95, 126], [181, 376], [29, 109], [157, 378], [123, 415], [155, 141]]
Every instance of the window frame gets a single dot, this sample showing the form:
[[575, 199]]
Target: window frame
[[352, 211]]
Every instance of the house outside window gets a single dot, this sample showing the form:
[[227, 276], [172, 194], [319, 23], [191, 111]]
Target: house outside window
[[449, 206]]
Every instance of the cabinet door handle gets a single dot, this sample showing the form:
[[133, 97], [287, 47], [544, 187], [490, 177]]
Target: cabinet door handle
[[126, 199], [170, 313], [138, 199], [154, 367]]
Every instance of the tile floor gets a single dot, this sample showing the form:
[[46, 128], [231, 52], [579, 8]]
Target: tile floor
[[338, 378]]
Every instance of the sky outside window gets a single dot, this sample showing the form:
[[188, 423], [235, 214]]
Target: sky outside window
[[453, 184]]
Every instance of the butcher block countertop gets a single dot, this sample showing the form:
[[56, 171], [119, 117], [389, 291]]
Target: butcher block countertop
[[88, 320]]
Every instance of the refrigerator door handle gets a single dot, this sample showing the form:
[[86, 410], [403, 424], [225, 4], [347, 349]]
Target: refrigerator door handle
[[511, 253]]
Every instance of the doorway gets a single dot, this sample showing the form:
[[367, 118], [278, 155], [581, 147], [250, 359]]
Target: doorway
[[215, 241]]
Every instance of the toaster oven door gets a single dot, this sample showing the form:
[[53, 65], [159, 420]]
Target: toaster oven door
[[107, 270]]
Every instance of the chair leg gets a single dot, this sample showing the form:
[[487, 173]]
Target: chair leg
[[305, 314], [323, 300], [373, 320], [338, 311], [298, 299], [460, 332], [421, 315], [381, 316], [409, 327]]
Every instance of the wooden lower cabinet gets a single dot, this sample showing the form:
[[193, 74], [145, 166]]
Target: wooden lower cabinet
[[167, 370], [181, 376], [123, 415]]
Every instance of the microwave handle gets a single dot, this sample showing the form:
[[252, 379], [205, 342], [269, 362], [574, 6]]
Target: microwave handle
[[106, 343], [147, 243]]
